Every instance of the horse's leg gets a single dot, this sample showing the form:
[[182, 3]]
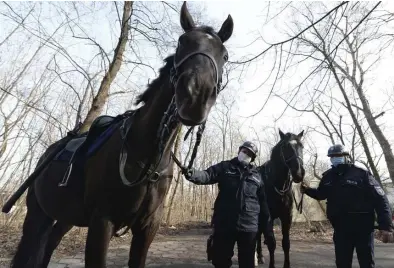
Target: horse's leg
[[35, 225], [259, 250], [286, 221], [142, 238], [269, 240], [54, 238], [99, 234]]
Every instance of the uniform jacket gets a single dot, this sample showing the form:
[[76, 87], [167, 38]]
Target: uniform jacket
[[241, 195], [353, 196]]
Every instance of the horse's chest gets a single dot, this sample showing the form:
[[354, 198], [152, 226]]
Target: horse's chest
[[278, 203]]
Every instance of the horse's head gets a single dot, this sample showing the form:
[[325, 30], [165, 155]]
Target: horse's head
[[198, 67], [289, 150]]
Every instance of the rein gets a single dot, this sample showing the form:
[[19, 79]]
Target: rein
[[169, 122], [200, 131]]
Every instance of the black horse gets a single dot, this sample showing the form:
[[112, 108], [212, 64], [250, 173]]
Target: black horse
[[125, 182], [284, 167]]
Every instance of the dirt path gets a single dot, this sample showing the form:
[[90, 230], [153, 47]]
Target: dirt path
[[188, 250]]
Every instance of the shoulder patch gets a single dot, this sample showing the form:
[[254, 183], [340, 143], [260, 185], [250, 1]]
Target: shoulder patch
[[351, 182], [379, 190]]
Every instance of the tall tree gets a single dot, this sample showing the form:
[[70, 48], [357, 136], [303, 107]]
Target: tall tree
[[102, 94]]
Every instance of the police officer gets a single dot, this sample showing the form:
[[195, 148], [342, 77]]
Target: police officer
[[353, 196], [237, 206]]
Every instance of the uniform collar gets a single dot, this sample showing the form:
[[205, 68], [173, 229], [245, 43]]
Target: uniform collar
[[341, 168]]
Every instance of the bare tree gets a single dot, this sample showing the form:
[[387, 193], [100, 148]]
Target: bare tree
[[341, 70], [328, 45], [102, 94], [355, 73]]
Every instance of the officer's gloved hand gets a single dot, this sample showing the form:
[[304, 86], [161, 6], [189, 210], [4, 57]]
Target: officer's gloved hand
[[188, 172], [386, 236], [303, 187]]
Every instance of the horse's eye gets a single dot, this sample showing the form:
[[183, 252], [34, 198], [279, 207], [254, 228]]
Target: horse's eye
[[225, 57]]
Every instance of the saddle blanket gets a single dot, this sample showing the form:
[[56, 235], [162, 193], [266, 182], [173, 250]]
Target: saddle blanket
[[91, 143]]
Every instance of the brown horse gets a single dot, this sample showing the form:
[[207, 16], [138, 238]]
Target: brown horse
[[125, 182], [284, 167]]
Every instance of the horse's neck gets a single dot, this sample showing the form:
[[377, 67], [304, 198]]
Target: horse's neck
[[280, 174], [144, 133]]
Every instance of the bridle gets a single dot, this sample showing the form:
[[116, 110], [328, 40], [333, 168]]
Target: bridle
[[289, 181], [169, 122], [174, 70]]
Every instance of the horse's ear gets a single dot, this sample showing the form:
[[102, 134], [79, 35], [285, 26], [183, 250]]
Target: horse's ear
[[300, 135], [226, 30], [281, 134], [187, 21]]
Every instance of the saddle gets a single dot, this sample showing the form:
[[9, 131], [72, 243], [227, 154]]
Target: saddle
[[84, 145]]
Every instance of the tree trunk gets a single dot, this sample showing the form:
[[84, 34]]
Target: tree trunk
[[330, 64], [102, 95], [193, 211], [179, 176], [371, 120], [182, 200], [380, 137], [333, 66], [357, 125]]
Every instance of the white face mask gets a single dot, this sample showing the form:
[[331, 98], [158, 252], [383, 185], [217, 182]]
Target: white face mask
[[244, 158], [335, 161]]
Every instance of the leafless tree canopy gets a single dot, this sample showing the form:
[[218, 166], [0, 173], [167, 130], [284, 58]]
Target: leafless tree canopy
[[67, 62]]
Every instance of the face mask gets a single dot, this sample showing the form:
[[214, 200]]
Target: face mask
[[244, 158], [335, 161]]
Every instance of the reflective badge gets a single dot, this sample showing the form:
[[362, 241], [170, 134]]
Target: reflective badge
[[255, 179], [351, 182], [379, 190]]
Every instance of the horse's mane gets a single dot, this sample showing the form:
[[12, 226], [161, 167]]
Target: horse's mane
[[276, 147], [156, 83]]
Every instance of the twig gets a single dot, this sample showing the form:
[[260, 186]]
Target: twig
[[292, 38]]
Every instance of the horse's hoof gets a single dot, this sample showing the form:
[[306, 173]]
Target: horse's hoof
[[261, 260]]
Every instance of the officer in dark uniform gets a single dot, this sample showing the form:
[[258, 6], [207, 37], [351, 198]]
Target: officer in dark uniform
[[353, 196], [237, 207]]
